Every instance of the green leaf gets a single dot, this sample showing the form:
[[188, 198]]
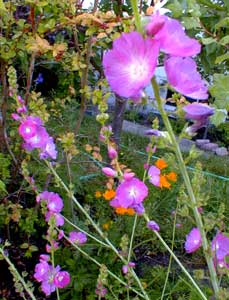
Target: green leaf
[[2, 8], [193, 8], [222, 23], [176, 9], [224, 41], [219, 116], [221, 58], [191, 22], [207, 41], [24, 246], [220, 90]]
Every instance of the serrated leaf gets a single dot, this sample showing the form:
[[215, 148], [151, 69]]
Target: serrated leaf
[[221, 58], [191, 22], [219, 116], [220, 91], [207, 41], [224, 41], [222, 23]]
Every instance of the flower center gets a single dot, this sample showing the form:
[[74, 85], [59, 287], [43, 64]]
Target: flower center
[[137, 70], [133, 192]]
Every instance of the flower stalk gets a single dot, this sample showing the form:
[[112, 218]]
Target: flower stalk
[[187, 182]]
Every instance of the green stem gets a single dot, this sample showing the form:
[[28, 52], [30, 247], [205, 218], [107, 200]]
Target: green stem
[[17, 275], [100, 265], [177, 260], [53, 264], [170, 258], [132, 237], [80, 207], [134, 4], [188, 185]]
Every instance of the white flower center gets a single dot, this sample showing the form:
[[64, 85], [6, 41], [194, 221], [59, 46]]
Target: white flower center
[[137, 70], [133, 192]]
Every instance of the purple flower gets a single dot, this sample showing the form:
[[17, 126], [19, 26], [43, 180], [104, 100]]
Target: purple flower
[[100, 290], [130, 193], [171, 36], [59, 219], [61, 279], [54, 202], [77, 237], [125, 269], [154, 175], [49, 150], [220, 248], [109, 172], [193, 241], [152, 225], [39, 79], [130, 64], [41, 271], [182, 74], [199, 113]]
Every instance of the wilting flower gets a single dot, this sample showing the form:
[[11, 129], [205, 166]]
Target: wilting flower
[[193, 241], [152, 225], [182, 74], [77, 237], [130, 194], [130, 64], [220, 248], [171, 36]]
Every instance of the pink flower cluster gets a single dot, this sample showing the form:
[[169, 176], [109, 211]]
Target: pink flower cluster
[[33, 132], [130, 194], [49, 276], [130, 64], [54, 206]]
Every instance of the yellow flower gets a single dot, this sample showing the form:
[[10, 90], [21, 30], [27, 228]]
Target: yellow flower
[[109, 194], [98, 194]]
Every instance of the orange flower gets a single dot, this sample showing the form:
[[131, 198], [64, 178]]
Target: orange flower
[[109, 194], [172, 176], [98, 194], [164, 182], [161, 164], [124, 211]]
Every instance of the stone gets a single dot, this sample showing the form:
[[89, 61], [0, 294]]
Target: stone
[[209, 147], [201, 142], [221, 151]]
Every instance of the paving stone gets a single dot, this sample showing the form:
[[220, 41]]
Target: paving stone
[[209, 147], [201, 142], [221, 151]]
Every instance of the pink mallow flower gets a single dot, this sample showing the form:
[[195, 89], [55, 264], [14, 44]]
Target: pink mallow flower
[[154, 175], [130, 194], [171, 36], [182, 74], [130, 64], [199, 113], [35, 136], [61, 279], [109, 172], [193, 241], [53, 200], [79, 238], [50, 277], [220, 249]]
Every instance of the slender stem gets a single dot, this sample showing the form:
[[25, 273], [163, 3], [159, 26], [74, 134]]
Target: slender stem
[[30, 76], [17, 275], [134, 4], [188, 185], [80, 207], [100, 265], [177, 260], [53, 264], [132, 237], [170, 258], [88, 234]]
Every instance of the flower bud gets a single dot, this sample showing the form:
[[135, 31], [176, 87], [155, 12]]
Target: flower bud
[[109, 172]]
